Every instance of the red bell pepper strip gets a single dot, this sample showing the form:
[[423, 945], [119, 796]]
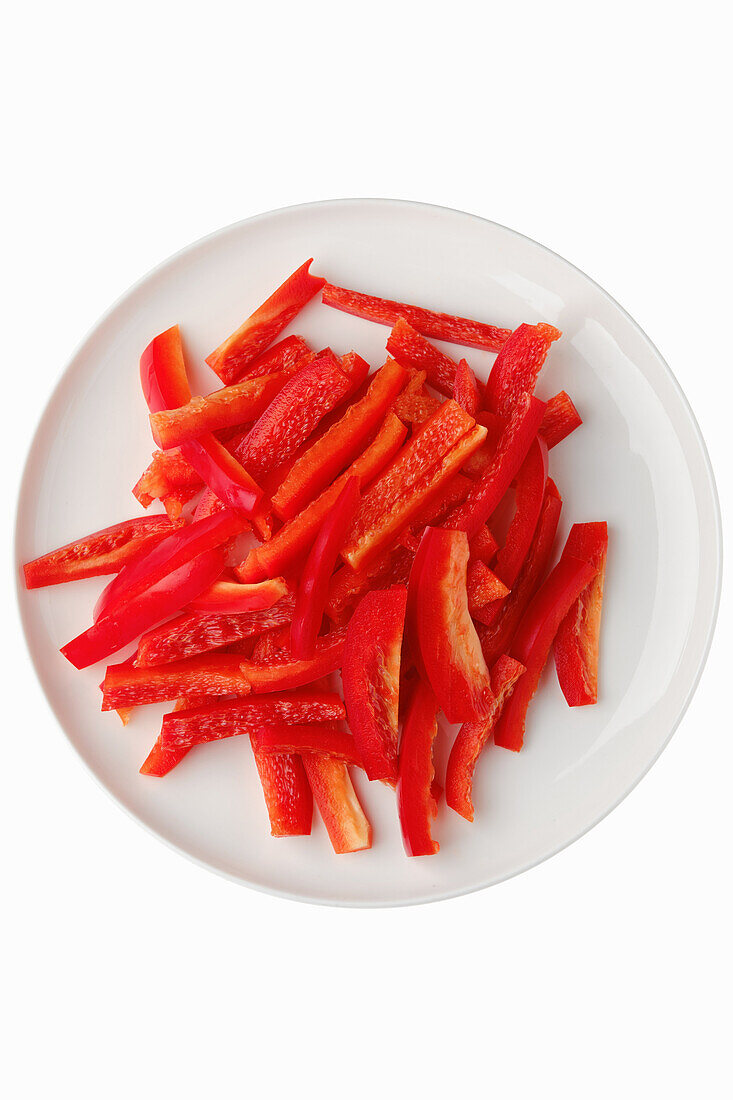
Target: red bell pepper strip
[[324, 740], [214, 674], [465, 389], [415, 405], [296, 411], [99, 554], [231, 358], [529, 494], [449, 645], [487, 492], [560, 419], [223, 474], [576, 644], [483, 545], [410, 349], [224, 408], [533, 641], [179, 548], [441, 326], [293, 672], [346, 823], [284, 355], [415, 801], [348, 585], [453, 492], [183, 729], [517, 366], [310, 602], [232, 598], [483, 586], [371, 678], [497, 635], [399, 493], [340, 445], [473, 736], [295, 538], [287, 792], [122, 623], [193, 633], [163, 372]]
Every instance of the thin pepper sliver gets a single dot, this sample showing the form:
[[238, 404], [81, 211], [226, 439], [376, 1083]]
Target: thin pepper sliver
[[348, 827], [415, 799], [577, 642], [517, 366], [287, 792]]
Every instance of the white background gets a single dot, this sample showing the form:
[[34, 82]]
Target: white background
[[131, 130]]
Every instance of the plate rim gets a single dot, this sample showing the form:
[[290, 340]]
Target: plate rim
[[709, 485]]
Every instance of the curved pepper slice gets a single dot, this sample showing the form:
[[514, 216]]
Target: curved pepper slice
[[371, 678], [296, 411], [295, 538], [192, 633], [122, 623], [496, 636], [517, 366], [232, 598], [224, 475], [486, 494], [224, 408], [533, 641], [415, 800], [560, 419], [576, 644], [286, 789], [231, 358], [179, 548], [530, 492], [466, 389], [347, 825], [441, 326], [163, 372], [473, 736], [449, 645], [183, 729], [340, 445], [324, 740], [99, 554], [312, 594]]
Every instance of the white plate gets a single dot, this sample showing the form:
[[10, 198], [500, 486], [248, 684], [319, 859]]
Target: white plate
[[639, 462]]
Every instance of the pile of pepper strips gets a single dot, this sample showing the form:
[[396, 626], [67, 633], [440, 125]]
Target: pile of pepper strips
[[368, 498]]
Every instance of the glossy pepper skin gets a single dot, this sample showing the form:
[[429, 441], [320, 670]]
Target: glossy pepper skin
[[371, 678], [340, 445], [533, 641], [514, 373], [441, 326], [163, 372], [473, 736], [484, 498], [122, 623], [295, 538], [449, 645], [348, 827], [194, 632], [99, 554], [497, 635], [230, 359], [183, 729], [286, 789], [577, 640], [322, 740], [312, 593], [415, 800]]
